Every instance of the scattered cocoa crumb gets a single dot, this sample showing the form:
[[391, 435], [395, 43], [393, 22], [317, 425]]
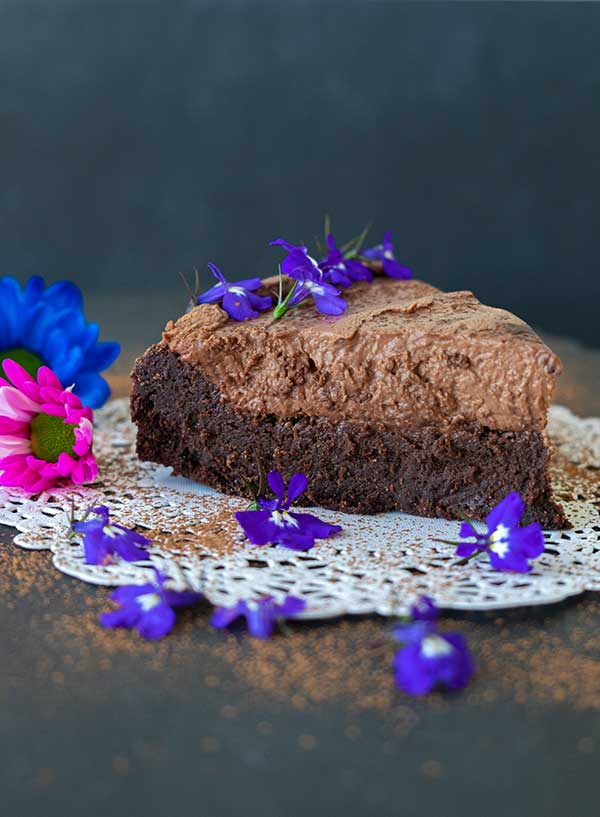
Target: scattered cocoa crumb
[[548, 656]]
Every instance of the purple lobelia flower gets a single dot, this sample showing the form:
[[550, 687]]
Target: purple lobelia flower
[[309, 282], [430, 659], [326, 297], [148, 608], [103, 539], [340, 270], [384, 252], [237, 299], [274, 523], [261, 614], [298, 264], [508, 545], [424, 609]]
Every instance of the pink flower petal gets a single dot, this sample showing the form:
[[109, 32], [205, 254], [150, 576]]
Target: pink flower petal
[[30, 480], [49, 394], [85, 470], [46, 377], [83, 437], [16, 373], [65, 464], [12, 474], [71, 399], [17, 427], [10, 445], [55, 409], [32, 390], [16, 405]]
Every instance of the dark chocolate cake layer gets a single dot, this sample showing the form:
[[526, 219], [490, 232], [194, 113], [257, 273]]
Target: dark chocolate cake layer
[[352, 465]]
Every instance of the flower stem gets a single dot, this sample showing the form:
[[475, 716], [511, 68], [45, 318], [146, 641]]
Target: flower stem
[[468, 558], [282, 306]]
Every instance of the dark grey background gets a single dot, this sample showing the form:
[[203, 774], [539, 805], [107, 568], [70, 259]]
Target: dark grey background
[[139, 139]]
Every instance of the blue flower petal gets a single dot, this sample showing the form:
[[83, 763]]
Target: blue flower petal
[[64, 295], [93, 390], [51, 324], [102, 355], [33, 290], [10, 312]]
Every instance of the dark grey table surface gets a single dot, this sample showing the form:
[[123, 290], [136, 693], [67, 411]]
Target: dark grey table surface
[[215, 724]]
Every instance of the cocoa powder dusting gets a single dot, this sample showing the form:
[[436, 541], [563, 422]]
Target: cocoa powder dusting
[[548, 656]]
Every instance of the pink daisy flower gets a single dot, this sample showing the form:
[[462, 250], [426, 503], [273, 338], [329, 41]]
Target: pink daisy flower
[[45, 432]]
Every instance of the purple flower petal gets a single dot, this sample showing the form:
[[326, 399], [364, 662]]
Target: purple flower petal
[[277, 485], [212, 295], [529, 540], [258, 526], [125, 617], [412, 674], [508, 512], [247, 283], [438, 659], [314, 527], [466, 549], [467, 530], [394, 269], [260, 302], [424, 609], [128, 593], [384, 252], [260, 614], [156, 622], [102, 539], [224, 616], [513, 561], [298, 484], [237, 298], [181, 598], [260, 618], [237, 305], [341, 271], [298, 264], [509, 546], [275, 524], [281, 242], [291, 606], [147, 607]]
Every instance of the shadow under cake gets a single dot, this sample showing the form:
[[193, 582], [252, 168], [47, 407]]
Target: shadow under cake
[[413, 399]]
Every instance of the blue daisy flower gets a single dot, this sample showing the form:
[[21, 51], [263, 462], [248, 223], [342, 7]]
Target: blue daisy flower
[[42, 325]]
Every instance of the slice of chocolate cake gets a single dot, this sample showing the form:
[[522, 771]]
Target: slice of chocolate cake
[[413, 399]]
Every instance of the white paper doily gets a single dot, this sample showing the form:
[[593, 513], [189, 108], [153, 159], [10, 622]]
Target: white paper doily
[[378, 564]]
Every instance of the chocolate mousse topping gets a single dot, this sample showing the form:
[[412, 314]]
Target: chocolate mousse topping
[[404, 354]]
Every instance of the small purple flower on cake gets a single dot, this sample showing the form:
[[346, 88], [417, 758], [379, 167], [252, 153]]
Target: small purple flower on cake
[[275, 524], [508, 545], [430, 659], [104, 539], [261, 614], [298, 264], [148, 608], [342, 271], [238, 299], [309, 282], [326, 297], [384, 253]]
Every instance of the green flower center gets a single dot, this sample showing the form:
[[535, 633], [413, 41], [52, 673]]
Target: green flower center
[[28, 360], [51, 437]]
